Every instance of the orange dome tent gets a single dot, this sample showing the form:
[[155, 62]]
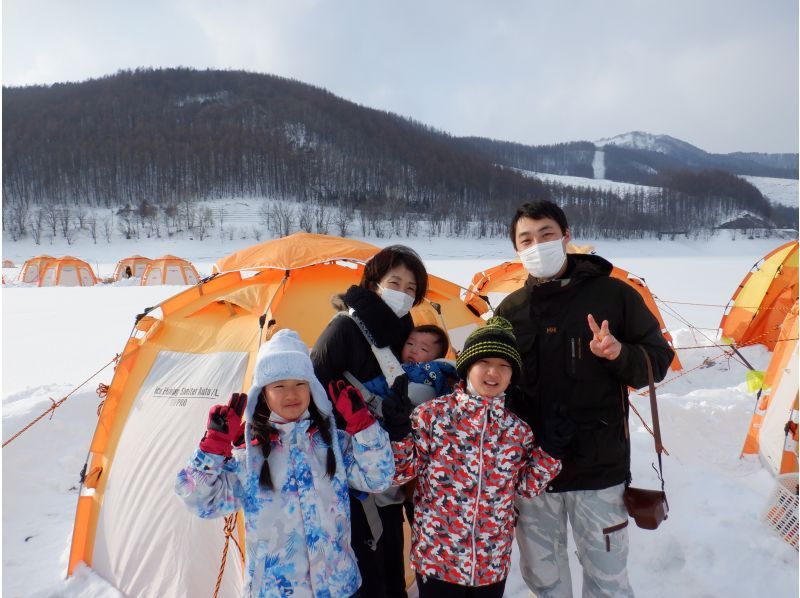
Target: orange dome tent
[[136, 263], [767, 293], [510, 276], [33, 269], [184, 355], [169, 269], [67, 271]]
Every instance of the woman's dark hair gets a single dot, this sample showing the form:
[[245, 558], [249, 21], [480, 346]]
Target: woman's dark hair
[[263, 432], [391, 257], [441, 336], [536, 210]]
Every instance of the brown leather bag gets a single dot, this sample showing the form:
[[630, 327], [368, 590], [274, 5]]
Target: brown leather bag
[[649, 508]]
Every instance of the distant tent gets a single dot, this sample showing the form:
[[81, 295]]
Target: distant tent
[[773, 429], [8, 264], [67, 271], [33, 269], [136, 263], [758, 307], [510, 276], [187, 354], [169, 269]]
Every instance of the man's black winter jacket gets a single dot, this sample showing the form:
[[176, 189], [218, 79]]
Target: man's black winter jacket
[[562, 376]]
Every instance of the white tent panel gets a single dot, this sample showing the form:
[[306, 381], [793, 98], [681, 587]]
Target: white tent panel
[[31, 274], [154, 276], [87, 279], [772, 437], [148, 544], [49, 279], [174, 275], [189, 274]]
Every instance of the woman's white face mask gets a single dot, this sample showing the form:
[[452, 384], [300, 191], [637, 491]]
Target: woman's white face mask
[[544, 260], [400, 303]]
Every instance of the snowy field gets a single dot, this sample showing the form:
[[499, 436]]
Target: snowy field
[[713, 544]]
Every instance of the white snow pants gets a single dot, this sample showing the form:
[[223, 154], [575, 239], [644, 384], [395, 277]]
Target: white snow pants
[[599, 527]]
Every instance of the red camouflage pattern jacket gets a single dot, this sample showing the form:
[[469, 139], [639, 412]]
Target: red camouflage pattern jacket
[[471, 456]]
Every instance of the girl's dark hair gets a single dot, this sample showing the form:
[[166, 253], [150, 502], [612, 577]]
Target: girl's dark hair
[[441, 336], [390, 257], [263, 431]]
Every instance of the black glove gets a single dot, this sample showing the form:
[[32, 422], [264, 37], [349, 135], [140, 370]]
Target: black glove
[[397, 410], [558, 431]]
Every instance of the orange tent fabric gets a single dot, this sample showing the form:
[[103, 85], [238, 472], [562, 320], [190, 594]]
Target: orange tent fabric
[[296, 251], [169, 269], [510, 276], [137, 263], [186, 354], [33, 269], [763, 299], [443, 305], [67, 271], [767, 435]]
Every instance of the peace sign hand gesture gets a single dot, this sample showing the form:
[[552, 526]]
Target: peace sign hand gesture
[[603, 344]]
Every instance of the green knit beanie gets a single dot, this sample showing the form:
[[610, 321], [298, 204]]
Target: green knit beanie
[[496, 339]]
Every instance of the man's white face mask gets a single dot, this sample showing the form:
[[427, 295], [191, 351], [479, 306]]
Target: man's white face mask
[[400, 303], [544, 260]]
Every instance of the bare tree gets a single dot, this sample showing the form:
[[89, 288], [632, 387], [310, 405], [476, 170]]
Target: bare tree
[[51, 218], [204, 221], [282, 218], [305, 219], [342, 219], [322, 219], [65, 223], [35, 224], [256, 233], [81, 214], [91, 227], [107, 227]]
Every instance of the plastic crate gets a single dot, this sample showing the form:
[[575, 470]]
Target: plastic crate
[[781, 511]]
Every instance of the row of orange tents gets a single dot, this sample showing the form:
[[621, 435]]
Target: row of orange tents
[[195, 348], [47, 271]]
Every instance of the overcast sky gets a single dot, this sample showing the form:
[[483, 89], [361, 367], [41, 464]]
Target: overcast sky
[[720, 74]]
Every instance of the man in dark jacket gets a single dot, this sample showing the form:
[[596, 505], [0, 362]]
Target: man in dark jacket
[[581, 335]]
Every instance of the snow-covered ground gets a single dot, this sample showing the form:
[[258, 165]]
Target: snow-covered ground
[[713, 544], [779, 191]]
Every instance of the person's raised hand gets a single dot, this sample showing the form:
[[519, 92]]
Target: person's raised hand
[[224, 426], [603, 343], [351, 406]]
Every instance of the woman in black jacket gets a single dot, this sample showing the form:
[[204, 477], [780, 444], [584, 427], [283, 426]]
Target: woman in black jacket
[[375, 322]]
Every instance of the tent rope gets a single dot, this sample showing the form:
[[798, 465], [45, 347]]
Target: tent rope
[[760, 308], [230, 526], [102, 392], [56, 404]]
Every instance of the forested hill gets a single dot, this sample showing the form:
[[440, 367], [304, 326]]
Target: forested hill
[[150, 143], [160, 135]]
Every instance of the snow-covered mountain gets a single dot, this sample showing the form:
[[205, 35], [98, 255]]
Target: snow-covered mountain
[[663, 144]]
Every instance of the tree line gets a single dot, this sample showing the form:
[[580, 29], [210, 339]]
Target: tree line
[[150, 146]]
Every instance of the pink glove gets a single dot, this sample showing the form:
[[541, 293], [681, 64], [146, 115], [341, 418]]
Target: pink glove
[[224, 426], [350, 405]]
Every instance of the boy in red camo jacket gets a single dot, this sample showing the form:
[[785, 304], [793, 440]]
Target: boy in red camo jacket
[[471, 456]]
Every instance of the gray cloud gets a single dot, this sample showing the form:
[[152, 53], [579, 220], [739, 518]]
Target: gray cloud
[[721, 74]]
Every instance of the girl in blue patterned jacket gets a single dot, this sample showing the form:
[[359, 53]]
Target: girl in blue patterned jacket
[[292, 474]]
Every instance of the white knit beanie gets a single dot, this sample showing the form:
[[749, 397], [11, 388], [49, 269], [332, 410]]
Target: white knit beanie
[[285, 357]]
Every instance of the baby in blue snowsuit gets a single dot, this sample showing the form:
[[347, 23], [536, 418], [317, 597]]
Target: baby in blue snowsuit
[[292, 474], [429, 374]]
